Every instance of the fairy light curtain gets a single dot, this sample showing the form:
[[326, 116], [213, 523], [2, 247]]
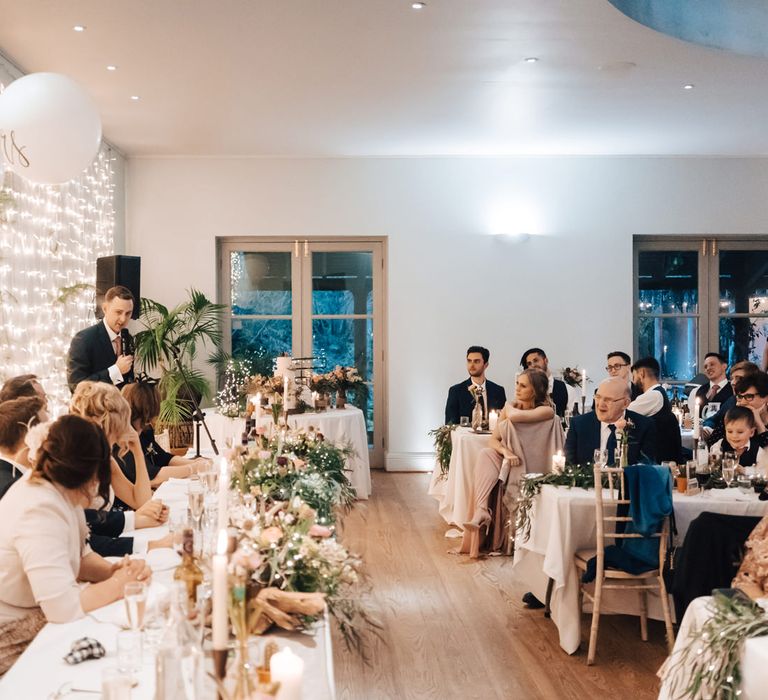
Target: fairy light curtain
[[50, 237]]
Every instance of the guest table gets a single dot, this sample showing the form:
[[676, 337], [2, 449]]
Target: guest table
[[344, 426], [25, 680], [563, 521], [456, 492]]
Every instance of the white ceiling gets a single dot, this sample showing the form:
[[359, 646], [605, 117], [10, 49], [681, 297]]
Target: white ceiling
[[375, 77]]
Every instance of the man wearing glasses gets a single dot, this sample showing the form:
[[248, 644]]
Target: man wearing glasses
[[619, 364], [600, 429]]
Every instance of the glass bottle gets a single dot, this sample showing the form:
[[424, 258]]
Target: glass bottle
[[477, 416], [188, 572], [179, 661]]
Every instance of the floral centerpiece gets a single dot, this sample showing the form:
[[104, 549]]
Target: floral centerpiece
[[573, 376], [284, 549], [348, 379]]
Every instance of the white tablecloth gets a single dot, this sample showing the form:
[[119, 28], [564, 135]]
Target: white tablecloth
[[456, 493], [563, 521], [754, 655], [41, 670], [340, 426]]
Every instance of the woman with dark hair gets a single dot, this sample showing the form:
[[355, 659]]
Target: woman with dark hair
[[16, 417], [43, 553], [144, 399], [513, 449]]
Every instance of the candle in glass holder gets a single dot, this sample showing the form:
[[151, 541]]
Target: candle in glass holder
[[220, 593], [558, 462], [493, 419], [696, 419], [287, 668], [583, 384], [285, 393], [315, 397], [257, 403]]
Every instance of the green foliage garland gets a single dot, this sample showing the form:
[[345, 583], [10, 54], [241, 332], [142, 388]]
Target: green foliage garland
[[443, 446]]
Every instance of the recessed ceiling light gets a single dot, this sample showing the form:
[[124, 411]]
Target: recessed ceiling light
[[111, 67], [79, 27], [134, 97], [531, 59], [418, 5], [688, 86]]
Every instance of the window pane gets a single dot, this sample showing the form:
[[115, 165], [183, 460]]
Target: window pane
[[672, 341], [744, 281], [668, 282], [260, 342], [743, 339], [341, 282], [261, 283]]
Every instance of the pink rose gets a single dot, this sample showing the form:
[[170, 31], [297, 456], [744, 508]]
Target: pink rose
[[271, 535], [319, 531], [298, 463]]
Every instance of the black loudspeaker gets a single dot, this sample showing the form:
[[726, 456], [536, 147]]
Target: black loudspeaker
[[124, 270]]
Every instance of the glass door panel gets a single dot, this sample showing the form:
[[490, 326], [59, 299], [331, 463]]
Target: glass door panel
[[743, 304], [343, 320]]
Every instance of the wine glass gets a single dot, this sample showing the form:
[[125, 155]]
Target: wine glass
[[196, 501], [135, 596], [703, 473], [728, 473], [600, 458]]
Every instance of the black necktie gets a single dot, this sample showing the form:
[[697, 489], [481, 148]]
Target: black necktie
[[610, 445]]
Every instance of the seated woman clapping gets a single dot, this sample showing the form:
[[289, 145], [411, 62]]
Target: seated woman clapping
[[143, 398], [511, 448], [43, 552]]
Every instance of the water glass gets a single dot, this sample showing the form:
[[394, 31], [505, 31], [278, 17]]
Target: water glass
[[154, 624], [115, 684], [129, 651], [464, 421], [600, 458], [135, 596]]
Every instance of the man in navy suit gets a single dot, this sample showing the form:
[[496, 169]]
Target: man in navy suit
[[460, 401], [599, 429], [536, 358], [96, 353]]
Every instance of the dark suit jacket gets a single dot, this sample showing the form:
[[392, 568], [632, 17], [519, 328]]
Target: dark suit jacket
[[105, 526], [9, 475], [720, 396], [559, 397], [668, 440], [460, 401], [91, 354], [584, 438]]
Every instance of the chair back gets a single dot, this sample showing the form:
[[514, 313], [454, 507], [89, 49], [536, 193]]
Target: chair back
[[608, 499]]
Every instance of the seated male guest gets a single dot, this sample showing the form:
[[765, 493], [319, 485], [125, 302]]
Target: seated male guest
[[23, 385], [96, 353], [713, 428], [460, 402], [598, 429], [536, 358], [619, 365], [718, 389], [16, 416], [654, 403]]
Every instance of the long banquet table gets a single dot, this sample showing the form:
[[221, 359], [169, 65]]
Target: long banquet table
[[344, 426], [41, 669], [563, 521]]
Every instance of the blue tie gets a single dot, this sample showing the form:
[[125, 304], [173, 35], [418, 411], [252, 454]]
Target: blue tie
[[610, 445]]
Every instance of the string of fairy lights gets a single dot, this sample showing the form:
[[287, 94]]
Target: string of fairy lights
[[50, 237]]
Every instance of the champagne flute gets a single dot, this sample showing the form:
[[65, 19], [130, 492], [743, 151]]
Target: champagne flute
[[196, 504], [135, 596], [728, 473]]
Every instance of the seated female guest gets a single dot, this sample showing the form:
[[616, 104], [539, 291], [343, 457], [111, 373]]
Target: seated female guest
[[740, 428], [103, 404], [43, 553], [513, 444], [144, 400], [16, 416]]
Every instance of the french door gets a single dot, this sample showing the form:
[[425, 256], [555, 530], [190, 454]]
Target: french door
[[696, 295], [321, 298]]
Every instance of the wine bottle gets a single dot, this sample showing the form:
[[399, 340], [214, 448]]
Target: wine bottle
[[188, 572], [575, 411]]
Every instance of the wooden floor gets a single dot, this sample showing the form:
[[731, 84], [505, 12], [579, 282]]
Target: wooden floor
[[455, 628]]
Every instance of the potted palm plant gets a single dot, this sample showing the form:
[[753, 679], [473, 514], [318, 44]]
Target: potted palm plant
[[182, 331]]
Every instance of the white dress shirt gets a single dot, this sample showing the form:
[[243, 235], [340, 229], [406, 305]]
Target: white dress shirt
[[114, 373], [761, 460], [649, 403]]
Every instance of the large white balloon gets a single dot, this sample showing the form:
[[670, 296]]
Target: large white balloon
[[50, 129]]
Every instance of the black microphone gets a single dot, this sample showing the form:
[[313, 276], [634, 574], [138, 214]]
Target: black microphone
[[127, 342]]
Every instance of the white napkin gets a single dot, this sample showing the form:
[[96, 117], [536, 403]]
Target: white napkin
[[162, 559]]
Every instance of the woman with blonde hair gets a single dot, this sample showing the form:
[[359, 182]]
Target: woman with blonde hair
[[103, 404]]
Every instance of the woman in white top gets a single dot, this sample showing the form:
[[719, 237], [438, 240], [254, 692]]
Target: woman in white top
[[44, 557]]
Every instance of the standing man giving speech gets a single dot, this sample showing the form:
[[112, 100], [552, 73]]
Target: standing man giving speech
[[104, 352]]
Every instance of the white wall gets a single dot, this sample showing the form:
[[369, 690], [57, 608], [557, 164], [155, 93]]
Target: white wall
[[451, 284]]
